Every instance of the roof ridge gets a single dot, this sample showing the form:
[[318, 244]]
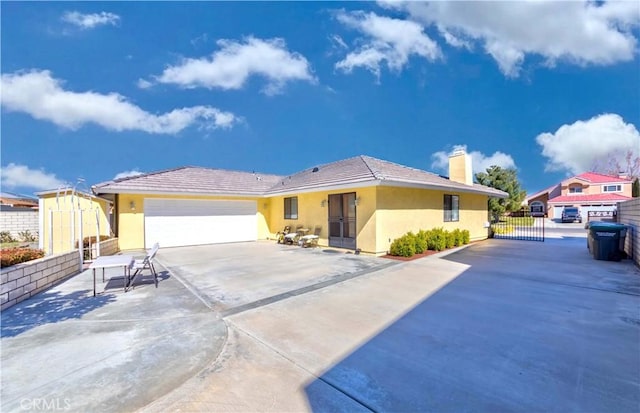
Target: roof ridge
[[376, 174]]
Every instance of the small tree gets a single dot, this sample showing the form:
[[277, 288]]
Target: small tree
[[505, 180], [627, 163]]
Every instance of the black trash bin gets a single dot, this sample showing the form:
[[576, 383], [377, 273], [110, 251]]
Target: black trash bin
[[606, 240]]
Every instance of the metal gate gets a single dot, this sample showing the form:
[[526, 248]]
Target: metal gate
[[519, 225]]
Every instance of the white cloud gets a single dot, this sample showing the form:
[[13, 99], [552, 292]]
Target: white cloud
[[89, 21], [38, 94], [144, 84], [578, 147], [126, 174], [388, 40], [583, 33], [232, 65], [479, 161], [15, 175]]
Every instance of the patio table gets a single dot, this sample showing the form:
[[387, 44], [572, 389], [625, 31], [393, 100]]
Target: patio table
[[112, 261]]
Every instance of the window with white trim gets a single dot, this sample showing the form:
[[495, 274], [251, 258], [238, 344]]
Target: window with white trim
[[575, 189], [451, 208], [611, 188], [291, 208]]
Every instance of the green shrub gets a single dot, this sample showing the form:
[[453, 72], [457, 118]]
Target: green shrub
[[13, 256], [450, 239], [458, 237], [437, 239], [27, 236], [405, 246], [421, 241], [5, 236], [466, 236]]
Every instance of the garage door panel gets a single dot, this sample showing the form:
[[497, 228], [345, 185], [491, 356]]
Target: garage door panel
[[195, 222]]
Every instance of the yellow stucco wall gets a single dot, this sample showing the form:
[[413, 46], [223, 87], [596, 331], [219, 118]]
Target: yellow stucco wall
[[313, 212], [61, 220], [402, 209], [131, 222], [382, 214]]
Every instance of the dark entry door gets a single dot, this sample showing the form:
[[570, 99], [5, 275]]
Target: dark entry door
[[342, 220]]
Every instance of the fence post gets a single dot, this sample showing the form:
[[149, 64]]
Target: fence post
[[73, 230], [81, 241], [97, 233], [50, 231]]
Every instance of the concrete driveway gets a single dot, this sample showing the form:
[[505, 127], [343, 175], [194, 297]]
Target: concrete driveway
[[231, 278], [498, 326]]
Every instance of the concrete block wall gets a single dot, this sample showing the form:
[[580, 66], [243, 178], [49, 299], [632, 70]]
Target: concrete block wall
[[25, 280], [629, 214], [109, 247], [19, 221]]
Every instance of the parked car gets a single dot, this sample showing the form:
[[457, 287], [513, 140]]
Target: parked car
[[571, 214]]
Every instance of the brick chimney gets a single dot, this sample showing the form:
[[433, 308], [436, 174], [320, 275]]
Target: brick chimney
[[460, 168]]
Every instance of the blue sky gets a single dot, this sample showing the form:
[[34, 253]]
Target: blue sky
[[98, 90]]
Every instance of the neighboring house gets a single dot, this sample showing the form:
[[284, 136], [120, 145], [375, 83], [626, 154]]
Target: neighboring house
[[15, 200], [589, 191], [67, 215], [361, 203]]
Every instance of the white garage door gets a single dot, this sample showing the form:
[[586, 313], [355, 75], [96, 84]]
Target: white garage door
[[173, 222]]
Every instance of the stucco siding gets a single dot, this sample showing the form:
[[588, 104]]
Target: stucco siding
[[400, 210], [131, 221], [313, 209]]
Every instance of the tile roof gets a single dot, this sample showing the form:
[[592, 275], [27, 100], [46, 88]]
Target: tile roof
[[597, 178], [361, 169], [589, 198], [192, 180], [348, 172]]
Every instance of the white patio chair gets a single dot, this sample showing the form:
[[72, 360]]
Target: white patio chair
[[145, 264], [311, 240], [293, 237]]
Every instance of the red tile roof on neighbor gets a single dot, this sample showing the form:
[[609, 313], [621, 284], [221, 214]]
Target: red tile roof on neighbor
[[597, 178], [581, 199]]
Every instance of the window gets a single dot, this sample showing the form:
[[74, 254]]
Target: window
[[291, 208], [575, 190], [612, 188], [451, 208]]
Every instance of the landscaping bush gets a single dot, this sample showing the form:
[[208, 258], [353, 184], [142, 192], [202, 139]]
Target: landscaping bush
[[405, 246], [450, 239], [5, 236], [421, 241], [466, 236], [458, 237], [436, 240], [27, 236], [13, 256]]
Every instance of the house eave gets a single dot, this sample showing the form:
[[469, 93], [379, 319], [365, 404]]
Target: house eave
[[181, 193]]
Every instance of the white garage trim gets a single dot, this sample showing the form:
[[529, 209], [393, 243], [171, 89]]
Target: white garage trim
[[180, 222]]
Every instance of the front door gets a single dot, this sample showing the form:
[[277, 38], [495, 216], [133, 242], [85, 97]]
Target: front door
[[342, 220]]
